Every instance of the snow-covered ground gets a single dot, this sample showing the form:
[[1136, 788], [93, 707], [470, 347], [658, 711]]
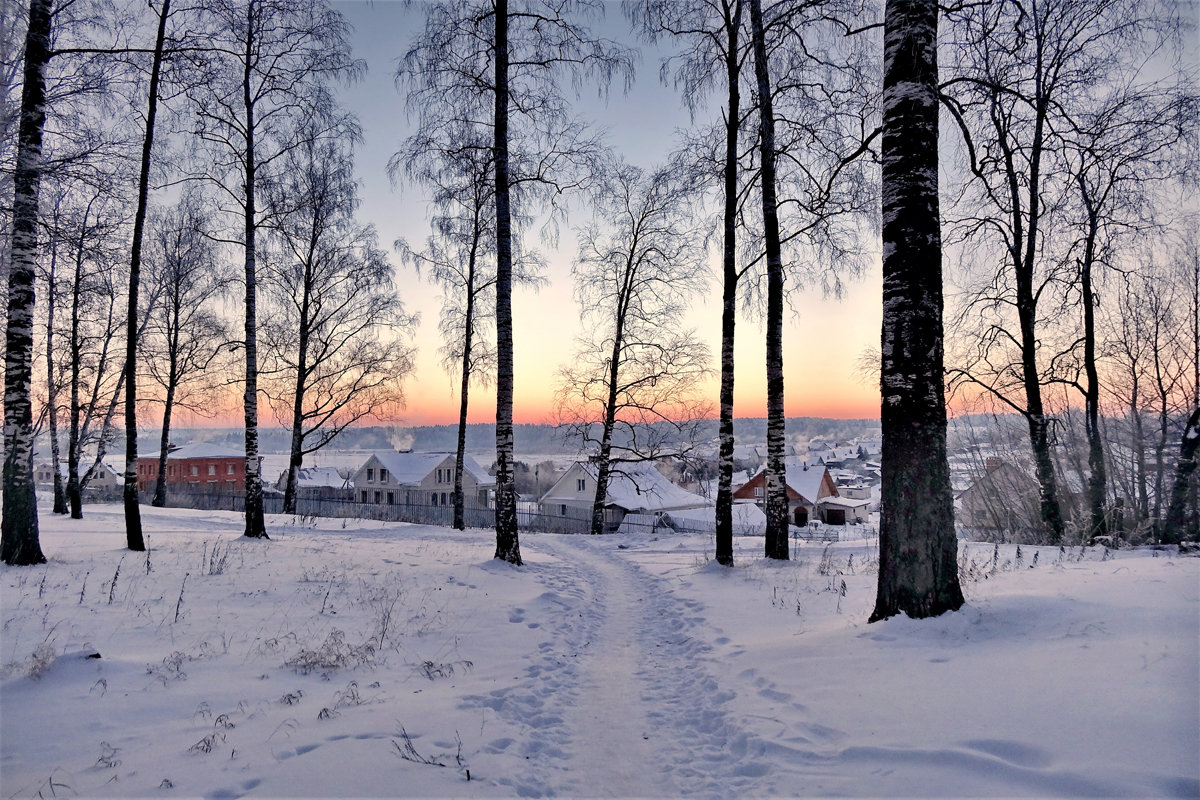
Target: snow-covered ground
[[383, 659]]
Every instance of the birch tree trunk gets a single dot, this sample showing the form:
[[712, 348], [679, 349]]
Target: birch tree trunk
[[508, 547], [724, 510], [164, 446], [918, 558], [255, 524], [133, 514], [777, 500], [460, 448], [296, 451], [60, 491], [19, 540], [1097, 477]]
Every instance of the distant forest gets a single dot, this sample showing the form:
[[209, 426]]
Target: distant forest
[[481, 438]]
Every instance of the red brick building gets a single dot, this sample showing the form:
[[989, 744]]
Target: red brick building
[[197, 467]]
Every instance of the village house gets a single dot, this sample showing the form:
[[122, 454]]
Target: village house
[[319, 483], [807, 486], [420, 479], [1002, 503], [106, 480], [197, 467], [637, 494]]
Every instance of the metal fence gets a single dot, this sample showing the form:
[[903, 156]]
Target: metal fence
[[529, 515]]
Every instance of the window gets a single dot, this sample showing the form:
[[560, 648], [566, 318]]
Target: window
[[195, 470], [212, 469], [580, 485], [376, 497], [370, 474], [391, 499], [758, 491], [443, 498], [230, 469], [563, 509], [364, 495], [383, 476], [434, 499]]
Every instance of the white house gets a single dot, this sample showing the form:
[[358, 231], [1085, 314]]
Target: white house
[[632, 489], [419, 479], [106, 479]]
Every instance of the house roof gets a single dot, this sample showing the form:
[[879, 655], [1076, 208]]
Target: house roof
[[748, 518], [321, 477], [802, 478], [410, 468], [641, 487], [205, 450], [843, 502]]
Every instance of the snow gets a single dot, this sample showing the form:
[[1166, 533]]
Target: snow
[[607, 666], [206, 450], [320, 477], [642, 488], [748, 519]]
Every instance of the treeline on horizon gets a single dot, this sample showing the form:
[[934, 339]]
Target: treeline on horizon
[[481, 437]]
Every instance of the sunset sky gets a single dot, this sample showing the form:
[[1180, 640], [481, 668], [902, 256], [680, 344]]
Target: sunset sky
[[824, 337]]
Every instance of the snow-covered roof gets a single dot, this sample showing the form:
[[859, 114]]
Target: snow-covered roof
[[410, 468], [843, 502], [321, 477], [641, 487], [206, 450], [748, 519], [803, 478]]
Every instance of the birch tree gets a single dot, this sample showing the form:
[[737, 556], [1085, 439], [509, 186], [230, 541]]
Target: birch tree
[[19, 539], [185, 344], [274, 62], [455, 162], [504, 69], [714, 54], [337, 333], [638, 372], [776, 487]]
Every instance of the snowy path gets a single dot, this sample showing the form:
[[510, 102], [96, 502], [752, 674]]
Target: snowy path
[[638, 713], [615, 754]]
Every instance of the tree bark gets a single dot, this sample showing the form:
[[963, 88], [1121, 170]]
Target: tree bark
[[507, 543], [74, 491], [776, 476], [918, 558], [60, 492], [460, 449], [603, 465], [1097, 478], [255, 524], [1175, 524], [19, 541], [724, 510], [133, 514], [296, 451]]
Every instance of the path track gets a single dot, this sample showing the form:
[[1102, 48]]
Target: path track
[[645, 717]]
